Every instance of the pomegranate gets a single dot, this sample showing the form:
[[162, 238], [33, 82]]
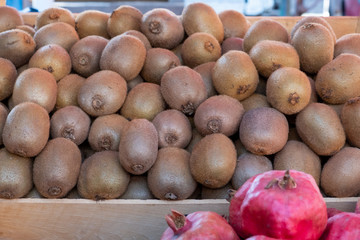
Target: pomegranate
[[278, 204], [342, 226], [198, 226], [261, 237]]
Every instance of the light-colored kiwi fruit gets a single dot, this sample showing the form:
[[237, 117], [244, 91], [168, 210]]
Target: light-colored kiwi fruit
[[30, 30], [92, 22], [216, 193], [256, 100], [140, 36], [8, 75], [9, 18], [348, 43], [137, 189], [122, 19], [205, 71], [54, 14], [350, 119], [232, 43], [67, 91], [234, 22]]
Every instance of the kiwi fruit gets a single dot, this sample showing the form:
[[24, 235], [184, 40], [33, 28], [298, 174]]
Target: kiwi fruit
[[85, 55], [337, 107], [8, 75], [143, 101], [170, 177], [201, 17], [235, 75], [133, 82], [173, 127], [256, 100], [59, 33], [234, 23], [10, 18], [137, 189], [205, 71], [22, 68], [200, 48], [264, 29], [195, 138], [102, 93], [26, 130], [339, 80], [232, 43], [177, 51], [288, 90], [350, 119], [313, 96], [270, 55], [125, 55], [348, 43], [56, 168], [213, 160], [263, 131], [15, 175], [162, 27], [17, 46], [183, 89], [320, 128], [30, 30], [92, 22], [34, 193], [249, 165], [106, 131], [52, 58], [52, 15], [122, 19], [340, 175], [4, 111], [67, 91], [138, 146], [217, 193], [240, 148], [102, 177], [70, 122], [140, 36], [36, 85]]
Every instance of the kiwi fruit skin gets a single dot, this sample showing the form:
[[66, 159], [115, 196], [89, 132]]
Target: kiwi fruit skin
[[26, 130], [71, 123], [234, 23], [26, 28], [205, 71], [9, 18], [138, 146], [92, 22], [134, 82], [4, 111], [217, 193], [173, 127], [8, 75], [213, 160], [235, 75], [140, 36], [340, 175], [320, 128], [195, 138], [67, 91], [54, 14], [177, 51], [232, 43], [122, 19], [348, 43], [256, 100], [138, 189], [350, 118], [339, 80], [16, 178], [170, 177], [102, 177]]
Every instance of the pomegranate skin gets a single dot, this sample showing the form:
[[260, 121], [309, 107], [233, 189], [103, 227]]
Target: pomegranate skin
[[342, 226], [279, 206]]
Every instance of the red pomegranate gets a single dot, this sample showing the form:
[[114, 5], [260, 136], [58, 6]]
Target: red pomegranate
[[342, 226]]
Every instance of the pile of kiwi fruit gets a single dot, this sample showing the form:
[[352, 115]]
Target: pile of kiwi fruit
[[137, 105]]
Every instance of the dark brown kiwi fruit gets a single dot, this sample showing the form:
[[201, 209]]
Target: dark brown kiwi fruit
[[200, 48], [85, 55], [30, 30], [92, 22], [248, 165], [235, 75], [26, 129], [213, 160], [17, 46], [183, 89], [234, 22], [173, 127], [143, 101], [232, 43], [35, 85], [138, 146], [133, 82], [195, 138], [256, 100], [339, 80], [125, 55], [8, 75], [70, 122], [59, 33], [56, 168], [201, 17], [348, 43], [319, 127], [106, 131], [54, 14], [4, 111], [102, 177], [68, 88], [297, 156], [263, 131], [170, 177], [52, 58], [140, 36], [162, 27], [9, 18], [122, 19], [15, 175], [340, 175], [137, 189], [219, 114], [216, 193], [102, 93], [157, 62], [350, 119], [205, 71]]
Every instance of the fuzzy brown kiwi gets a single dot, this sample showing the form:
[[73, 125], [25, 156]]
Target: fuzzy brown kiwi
[[213, 160], [170, 177], [205, 71], [133, 82], [68, 88], [173, 127], [92, 22], [350, 119], [183, 89], [140, 36], [30, 30], [200, 48], [106, 131], [102, 177], [348, 43], [256, 100], [234, 22], [36, 85], [9, 18], [54, 14], [102, 93], [337, 107], [313, 96], [4, 111], [195, 138], [138, 146], [177, 51], [122, 19], [216, 193], [22, 68], [137, 189], [26, 129], [17, 46], [232, 43], [8, 75], [162, 27], [240, 148], [16, 178], [85, 55]]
